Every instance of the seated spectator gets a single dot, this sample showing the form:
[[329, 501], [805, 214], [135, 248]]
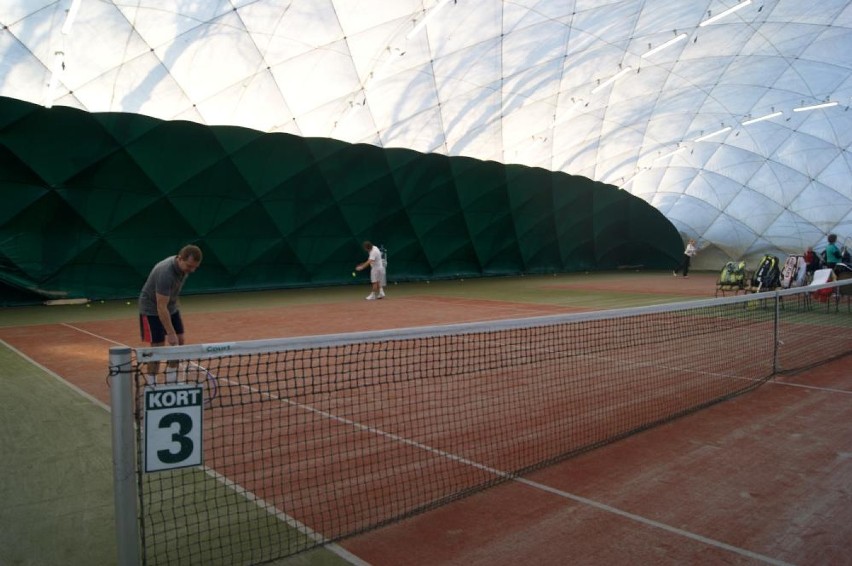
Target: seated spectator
[[811, 260]]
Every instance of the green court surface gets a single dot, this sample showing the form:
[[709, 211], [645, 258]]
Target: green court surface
[[56, 500], [56, 495]]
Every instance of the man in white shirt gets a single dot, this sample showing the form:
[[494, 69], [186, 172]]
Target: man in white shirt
[[377, 270]]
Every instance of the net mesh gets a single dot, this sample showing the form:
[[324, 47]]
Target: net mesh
[[310, 441]]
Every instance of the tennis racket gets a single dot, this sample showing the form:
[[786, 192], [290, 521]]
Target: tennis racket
[[192, 372]]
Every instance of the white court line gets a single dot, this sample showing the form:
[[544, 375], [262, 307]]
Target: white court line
[[506, 475], [652, 523], [259, 501], [813, 387], [92, 334], [529, 483]]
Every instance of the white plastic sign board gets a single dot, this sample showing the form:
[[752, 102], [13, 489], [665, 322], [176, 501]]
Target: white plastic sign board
[[173, 427]]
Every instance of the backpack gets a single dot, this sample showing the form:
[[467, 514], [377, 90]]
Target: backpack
[[733, 273], [767, 275]]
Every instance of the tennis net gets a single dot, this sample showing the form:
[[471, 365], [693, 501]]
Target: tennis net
[[306, 441]]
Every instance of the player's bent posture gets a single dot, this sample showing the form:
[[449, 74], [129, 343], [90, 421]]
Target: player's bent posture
[[159, 309], [377, 270]]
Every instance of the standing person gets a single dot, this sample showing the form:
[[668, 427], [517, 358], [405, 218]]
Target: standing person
[[832, 252], [377, 270], [159, 311], [688, 254]]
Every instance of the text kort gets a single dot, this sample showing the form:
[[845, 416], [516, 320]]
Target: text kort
[[173, 398]]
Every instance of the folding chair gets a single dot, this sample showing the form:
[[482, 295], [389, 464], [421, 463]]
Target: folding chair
[[821, 277]]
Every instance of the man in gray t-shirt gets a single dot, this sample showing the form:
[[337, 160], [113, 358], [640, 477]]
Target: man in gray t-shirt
[[159, 311]]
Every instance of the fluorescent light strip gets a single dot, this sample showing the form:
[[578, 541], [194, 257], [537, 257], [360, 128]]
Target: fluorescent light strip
[[711, 134], [762, 118], [612, 79], [669, 154], [422, 23], [815, 107], [727, 12], [659, 48], [69, 19]]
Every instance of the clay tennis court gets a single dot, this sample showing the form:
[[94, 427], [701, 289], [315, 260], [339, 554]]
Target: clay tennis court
[[761, 478]]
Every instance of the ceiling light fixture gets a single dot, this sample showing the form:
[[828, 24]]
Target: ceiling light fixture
[[815, 106], [711, 134], [669, 154], [762, 118], [669, 43], [69, 19], [612, 79], [354, 107], [391, 54], [429, 15], [55, 73], [628, 181], [727, 12]]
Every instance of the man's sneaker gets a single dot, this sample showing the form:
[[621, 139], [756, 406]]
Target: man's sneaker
[[381, 295], [674, 273], [371, 297]]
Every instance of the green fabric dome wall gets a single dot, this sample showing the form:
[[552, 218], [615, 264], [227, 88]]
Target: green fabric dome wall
[[92, 201]]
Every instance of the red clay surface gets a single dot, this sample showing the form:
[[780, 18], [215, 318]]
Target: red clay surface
[[78, 352], [764, 478], [768, 473]]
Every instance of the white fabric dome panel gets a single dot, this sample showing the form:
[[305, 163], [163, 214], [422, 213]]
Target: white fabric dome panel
[[713, 124]]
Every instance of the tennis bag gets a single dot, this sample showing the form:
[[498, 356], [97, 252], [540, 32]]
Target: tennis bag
[[843, 271], [733, 273], [793, 273], [768, 273]]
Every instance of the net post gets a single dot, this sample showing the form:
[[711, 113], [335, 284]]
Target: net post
[[776, 342], [124, 457]]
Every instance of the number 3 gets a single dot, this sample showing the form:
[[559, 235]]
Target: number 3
[[184, 423]]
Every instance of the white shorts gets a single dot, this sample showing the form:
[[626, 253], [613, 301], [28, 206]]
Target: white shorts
[[377, 276]]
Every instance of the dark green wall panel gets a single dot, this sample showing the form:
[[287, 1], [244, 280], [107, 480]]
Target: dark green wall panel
[[92, 201]]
